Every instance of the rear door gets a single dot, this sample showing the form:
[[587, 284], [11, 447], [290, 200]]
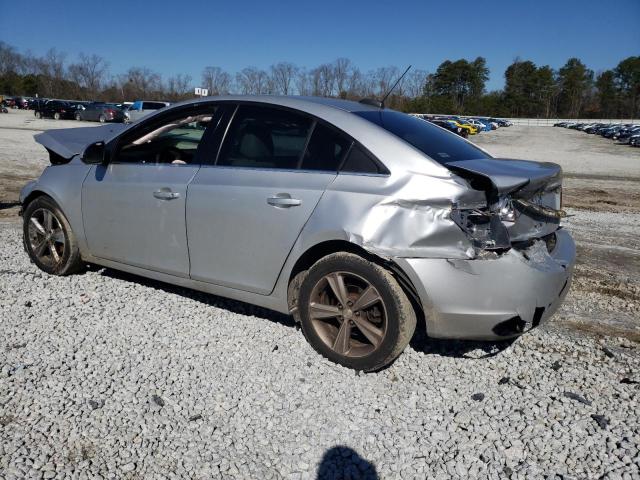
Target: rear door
[[133, 209], [245, 213]]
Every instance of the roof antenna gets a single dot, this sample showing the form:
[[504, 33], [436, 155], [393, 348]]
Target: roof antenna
[[394, 86], [380, 103]]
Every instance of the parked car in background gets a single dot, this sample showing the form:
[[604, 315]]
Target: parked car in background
[[353, 219], [20, 103], [451, 126], [101, 112], [140, 108], [471, 129], [56, 109]]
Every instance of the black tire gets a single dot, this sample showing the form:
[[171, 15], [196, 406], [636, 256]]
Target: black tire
[[70, 261], [102, 118], [78, 117], [38, 115], [400, 315], [56, 116]]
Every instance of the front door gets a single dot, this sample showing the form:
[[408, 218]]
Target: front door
[[133, 209]]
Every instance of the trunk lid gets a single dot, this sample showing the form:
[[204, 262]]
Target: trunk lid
[[507, 175]]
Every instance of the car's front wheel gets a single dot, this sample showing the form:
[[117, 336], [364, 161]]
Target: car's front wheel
[[56, 116], [48, 238], [354, 312], [78, 117]]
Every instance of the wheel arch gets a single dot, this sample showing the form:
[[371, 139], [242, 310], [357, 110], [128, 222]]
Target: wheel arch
[[33, 195], [327, 247]]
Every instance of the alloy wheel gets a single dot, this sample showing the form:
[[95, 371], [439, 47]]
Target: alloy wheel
[[46, 237], [348, 314]]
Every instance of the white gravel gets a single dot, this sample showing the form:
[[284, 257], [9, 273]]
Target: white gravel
[[104, 375]]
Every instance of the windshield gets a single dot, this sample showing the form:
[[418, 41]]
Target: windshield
[[440, 145]]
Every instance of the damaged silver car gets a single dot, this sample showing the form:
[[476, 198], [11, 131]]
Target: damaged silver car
[[356, 219]]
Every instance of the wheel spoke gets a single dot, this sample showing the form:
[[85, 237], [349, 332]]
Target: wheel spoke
[[48, 220], [35, 223], [336, 282], [343, 339], [366, 299], [54, 252], [373, 333], [321, 310], [39, 249]]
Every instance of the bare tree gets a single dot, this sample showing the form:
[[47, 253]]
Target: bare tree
[[252, 81], [385, 77], [341, 70], [414, 83], [323, 80], [355, 84], [51, 68], [303, 83], [88, 73], [216, 80], [10, 60], [178, 87], [140, 82], [282, 75]]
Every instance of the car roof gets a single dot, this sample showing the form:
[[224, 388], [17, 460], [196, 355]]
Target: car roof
[[293, 101], [383, 144]]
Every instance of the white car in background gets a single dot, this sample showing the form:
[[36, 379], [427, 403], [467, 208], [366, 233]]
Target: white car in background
[[140, 108]]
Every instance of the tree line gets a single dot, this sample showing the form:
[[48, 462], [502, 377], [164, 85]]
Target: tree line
[[455, 87]]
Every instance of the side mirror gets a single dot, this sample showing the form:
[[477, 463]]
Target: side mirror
[[95, 154]]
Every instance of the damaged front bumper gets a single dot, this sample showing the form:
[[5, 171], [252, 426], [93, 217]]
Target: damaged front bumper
[[497, 297]]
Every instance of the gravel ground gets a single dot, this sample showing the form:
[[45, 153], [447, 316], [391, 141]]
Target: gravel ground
[[107, 375]]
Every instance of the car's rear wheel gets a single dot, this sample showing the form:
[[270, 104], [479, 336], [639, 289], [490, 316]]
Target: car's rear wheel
[[48, 238], [102, 118], [56, 116], [78, 117], [354, 312], [38, 115]]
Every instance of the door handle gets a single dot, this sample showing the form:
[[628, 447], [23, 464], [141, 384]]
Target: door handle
[[166, 194], [283, 200]]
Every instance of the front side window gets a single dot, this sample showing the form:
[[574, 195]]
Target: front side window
[[174, 142], [263, 137], [327, 147], [443, 147]]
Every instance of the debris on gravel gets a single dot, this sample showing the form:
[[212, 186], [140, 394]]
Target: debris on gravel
[[601, 420], [577, 398]]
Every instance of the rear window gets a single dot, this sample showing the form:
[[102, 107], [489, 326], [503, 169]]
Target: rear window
[[443, 147]]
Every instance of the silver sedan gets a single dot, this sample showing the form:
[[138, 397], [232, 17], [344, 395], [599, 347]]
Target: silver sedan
[[355, 219]]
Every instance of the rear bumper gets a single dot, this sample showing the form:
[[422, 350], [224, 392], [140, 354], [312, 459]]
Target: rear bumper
[[489, 299]]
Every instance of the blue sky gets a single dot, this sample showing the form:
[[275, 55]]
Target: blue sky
[[182, 37]]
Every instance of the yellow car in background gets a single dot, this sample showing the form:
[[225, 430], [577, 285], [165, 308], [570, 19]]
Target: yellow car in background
[[467, 126]]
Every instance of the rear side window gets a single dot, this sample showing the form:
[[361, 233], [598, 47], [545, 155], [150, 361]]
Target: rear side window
[[359, 161], [262, 137], [326, 149], [443, 147]]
